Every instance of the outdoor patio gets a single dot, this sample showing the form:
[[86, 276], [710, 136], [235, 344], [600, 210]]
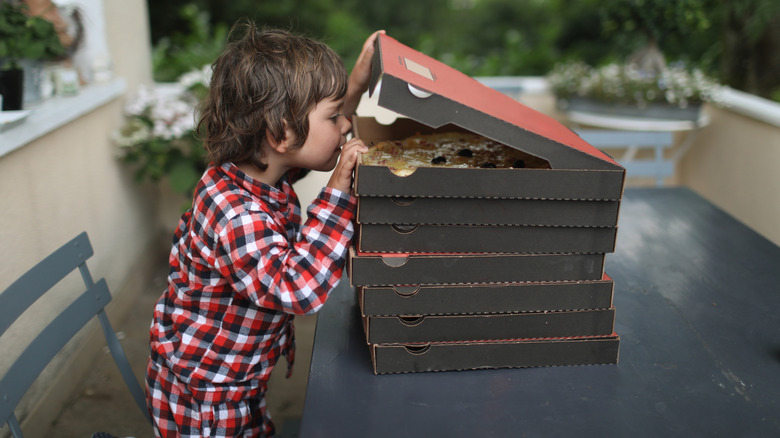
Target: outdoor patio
[[102, 403], [63, 176]]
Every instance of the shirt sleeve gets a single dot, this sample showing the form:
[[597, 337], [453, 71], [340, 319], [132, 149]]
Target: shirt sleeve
[[289, 276]]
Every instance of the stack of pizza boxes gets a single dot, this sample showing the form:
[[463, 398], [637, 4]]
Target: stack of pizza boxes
[[467, 268]]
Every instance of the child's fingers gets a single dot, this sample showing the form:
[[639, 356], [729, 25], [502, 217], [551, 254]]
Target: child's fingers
[[355, 143], [342, 174], [362, 70], [368, 46]]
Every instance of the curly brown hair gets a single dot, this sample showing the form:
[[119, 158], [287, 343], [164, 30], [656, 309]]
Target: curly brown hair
[[263, 82]]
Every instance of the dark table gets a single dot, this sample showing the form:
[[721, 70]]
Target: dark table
[[697, 296]]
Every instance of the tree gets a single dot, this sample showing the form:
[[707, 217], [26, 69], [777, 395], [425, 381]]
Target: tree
[[751, 46], [657, 23]]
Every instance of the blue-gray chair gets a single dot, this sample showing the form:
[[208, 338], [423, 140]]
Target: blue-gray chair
[[31, 286]]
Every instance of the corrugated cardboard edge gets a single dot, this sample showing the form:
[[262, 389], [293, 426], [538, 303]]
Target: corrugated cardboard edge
[[613, 353], [605, 288]]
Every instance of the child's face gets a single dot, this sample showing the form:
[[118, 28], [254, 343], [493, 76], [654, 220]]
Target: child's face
[[327, 132]]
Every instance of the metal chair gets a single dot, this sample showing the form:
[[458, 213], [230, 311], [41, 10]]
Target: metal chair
[[657, 167], [31, 286]]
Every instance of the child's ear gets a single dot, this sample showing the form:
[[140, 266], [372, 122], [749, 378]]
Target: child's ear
[[284, 144]]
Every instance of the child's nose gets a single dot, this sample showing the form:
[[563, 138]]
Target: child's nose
[[347, 126]]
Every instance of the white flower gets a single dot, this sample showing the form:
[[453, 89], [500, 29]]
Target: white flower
[[143, 99], [196, 77], [629, 85]]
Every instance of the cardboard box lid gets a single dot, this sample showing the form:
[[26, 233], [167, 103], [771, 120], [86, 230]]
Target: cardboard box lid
[[426, 90]]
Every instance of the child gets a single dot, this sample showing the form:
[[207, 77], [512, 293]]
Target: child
[[242, 264]]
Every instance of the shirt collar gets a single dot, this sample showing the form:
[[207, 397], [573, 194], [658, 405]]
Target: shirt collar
[[276, 195]]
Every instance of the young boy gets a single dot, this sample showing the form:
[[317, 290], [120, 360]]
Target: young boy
[[242, 264]]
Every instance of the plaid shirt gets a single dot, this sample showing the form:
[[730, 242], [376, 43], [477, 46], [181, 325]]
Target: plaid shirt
[[241, 265]]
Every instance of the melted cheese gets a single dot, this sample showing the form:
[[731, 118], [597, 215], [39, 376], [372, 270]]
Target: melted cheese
[[448, 149]]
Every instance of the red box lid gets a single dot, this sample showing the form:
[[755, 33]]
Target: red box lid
[[431, 92]]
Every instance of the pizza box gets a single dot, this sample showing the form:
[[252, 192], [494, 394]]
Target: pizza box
[[486, 211], [485, 298], [484, 239], [517, 353], [387, 269], [477, 327], [431, 95]]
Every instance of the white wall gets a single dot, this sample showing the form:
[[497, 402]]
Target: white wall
[[734, 164], [69, 181]]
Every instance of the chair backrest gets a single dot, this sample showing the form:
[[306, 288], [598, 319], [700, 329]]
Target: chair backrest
[[25, 291]]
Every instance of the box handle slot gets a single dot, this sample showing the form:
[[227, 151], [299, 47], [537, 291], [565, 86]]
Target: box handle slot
[[422, 94], [417, 349], [402, 201], [403, 228], [406, 291], [395, 261], [412, 320]]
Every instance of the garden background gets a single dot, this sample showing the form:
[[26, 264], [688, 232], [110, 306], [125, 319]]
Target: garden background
[[737, 42]]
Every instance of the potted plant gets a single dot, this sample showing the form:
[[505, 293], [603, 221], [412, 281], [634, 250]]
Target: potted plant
[[22, 37], [158, 137], [624, 89], [643, 85]]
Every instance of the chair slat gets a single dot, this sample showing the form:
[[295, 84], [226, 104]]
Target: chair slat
[[612, 138], [22, 293], [48, 343]]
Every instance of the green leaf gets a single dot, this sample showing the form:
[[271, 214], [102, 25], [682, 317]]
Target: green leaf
[[183, 177]]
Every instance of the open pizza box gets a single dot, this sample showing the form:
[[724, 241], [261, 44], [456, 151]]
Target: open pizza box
[[433, 97]]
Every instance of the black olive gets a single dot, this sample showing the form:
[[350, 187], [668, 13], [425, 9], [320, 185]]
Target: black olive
[[488, 165], [518, 164], [439, 160], [465, 153]]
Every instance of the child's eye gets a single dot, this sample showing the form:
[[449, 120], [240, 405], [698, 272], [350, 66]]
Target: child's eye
[[335, 117]]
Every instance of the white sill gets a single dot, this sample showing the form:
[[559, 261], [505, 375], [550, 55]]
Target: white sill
[[58, 111]]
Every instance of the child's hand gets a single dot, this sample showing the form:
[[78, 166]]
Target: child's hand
[[360, 76], [341, 178]]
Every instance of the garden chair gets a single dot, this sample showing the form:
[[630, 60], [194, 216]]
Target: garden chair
[[31, 286]]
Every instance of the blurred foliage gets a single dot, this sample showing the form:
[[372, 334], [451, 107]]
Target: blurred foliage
[[195, 42], [750, 42], [736, 41], [158, 137], [25, 37]]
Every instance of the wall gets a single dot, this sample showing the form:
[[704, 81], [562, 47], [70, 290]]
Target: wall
[[734, 164], [69, 181]]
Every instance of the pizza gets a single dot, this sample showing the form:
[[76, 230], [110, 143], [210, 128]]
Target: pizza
[[447, 149]]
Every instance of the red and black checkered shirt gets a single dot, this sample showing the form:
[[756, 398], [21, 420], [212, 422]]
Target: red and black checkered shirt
[[241, 266]]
